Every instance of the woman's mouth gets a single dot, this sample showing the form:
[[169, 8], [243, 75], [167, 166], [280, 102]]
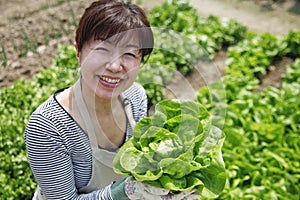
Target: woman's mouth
[[109, 81]]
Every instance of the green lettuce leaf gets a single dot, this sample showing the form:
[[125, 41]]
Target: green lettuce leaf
[[177, 148]]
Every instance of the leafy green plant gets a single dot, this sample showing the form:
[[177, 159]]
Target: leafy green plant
[[3, 57], [253, 55], [183, 39], [261, 150], [16, 104], [74, 20], [28, 44], [173, 52], [292, 74], [262, 123], [250, 59], [291, 44], [179, 16], [177, 148], [178, 50], [152, 82], [214, 33], [211, 33], [262, 147]]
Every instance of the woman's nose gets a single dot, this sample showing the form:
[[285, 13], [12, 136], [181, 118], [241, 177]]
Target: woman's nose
[[115, 65]]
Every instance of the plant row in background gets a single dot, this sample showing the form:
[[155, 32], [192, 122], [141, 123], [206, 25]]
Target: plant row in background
[[251, 58], [16, 104], [183, 39], [262, 147]]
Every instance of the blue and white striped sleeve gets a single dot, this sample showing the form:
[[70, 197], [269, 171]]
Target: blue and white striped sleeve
[[51, 162]]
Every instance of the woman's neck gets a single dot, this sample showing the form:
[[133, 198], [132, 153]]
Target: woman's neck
[[97, 105]]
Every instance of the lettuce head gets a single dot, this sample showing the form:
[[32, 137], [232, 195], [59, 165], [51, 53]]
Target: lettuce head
[[177, 148]]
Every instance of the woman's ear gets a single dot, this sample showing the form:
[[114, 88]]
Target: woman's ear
[[77, 52]]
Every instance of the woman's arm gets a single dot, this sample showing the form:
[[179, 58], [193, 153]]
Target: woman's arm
[[51, 162]]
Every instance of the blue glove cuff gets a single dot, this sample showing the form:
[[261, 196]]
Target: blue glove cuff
[[117, 190]]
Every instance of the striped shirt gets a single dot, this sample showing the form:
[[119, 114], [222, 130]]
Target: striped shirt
[[59, 151]]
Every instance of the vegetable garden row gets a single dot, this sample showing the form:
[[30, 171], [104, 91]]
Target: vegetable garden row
[[262, 146]]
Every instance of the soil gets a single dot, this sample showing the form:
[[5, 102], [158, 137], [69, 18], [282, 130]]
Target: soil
[[31, 30]]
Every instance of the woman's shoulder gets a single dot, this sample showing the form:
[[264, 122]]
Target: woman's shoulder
[[136, 90], [50, 118], [48, 104], [50, 107]]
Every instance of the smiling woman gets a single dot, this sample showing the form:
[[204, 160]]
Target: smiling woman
[[109, 67], [111, 21], [73, 137]]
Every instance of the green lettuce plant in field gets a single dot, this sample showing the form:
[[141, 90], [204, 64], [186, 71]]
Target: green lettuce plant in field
[[16, 104], [261, 150], [177, 148], [262, 146], [212, 33], [182, 39]]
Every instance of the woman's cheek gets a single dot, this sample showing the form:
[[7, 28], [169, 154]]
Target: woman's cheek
[[91, 63], [134, 71]]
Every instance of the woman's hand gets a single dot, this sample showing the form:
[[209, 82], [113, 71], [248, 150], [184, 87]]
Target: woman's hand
[[139, 191]]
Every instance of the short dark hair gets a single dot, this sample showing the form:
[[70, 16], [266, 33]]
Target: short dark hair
[[106, 18]]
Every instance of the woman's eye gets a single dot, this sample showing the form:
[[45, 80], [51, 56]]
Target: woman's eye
[[102, 49], [131, 54]]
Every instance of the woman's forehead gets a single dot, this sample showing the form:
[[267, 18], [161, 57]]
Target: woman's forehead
[[122, 41]]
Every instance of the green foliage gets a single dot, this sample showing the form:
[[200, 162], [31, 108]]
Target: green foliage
[[177, 15], [177, 148], [152, 82], [262, 146], [253, 55], [211, 33], [177, 50], [173, 52], [16, 104], [262, 161], [182, 38], [291, 42], [3, 56], [214, 33], [251, 58], [292, 74]]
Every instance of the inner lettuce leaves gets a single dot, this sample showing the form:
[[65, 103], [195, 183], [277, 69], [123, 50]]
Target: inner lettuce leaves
[[177, 148]]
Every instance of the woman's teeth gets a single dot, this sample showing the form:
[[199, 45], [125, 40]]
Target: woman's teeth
[[110, 80]]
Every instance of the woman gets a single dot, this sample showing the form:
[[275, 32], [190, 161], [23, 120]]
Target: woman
[[72, 138]]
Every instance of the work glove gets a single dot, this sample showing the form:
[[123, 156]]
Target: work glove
[[135, 190]]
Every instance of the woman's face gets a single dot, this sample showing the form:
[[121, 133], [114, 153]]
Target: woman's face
[[107, 67]]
